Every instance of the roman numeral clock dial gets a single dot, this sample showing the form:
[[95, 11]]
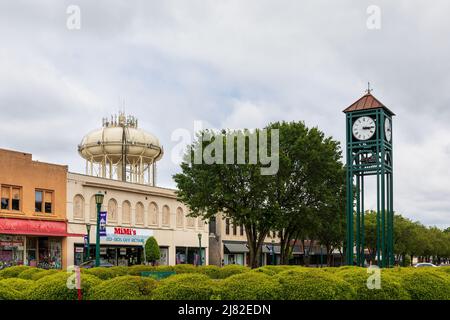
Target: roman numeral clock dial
[[363, 128]]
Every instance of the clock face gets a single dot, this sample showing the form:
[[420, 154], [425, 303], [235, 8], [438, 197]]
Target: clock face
[[388, 129], [363, 128]]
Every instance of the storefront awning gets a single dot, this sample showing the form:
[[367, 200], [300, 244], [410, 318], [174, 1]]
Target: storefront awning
[[34, 227], [267, 248], [236, 247]]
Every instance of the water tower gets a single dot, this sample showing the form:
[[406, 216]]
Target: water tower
[[120, 150]]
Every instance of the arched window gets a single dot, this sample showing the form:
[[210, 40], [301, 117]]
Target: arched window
[[139, 213], [153, 214], [180, 217], [166, 216], [92, 209], [112, 210], [190, 222], [200, 223], [126, 212], [78, 207]]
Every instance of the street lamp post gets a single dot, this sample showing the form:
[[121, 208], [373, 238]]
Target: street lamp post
[[200, 248], [98, 200], [273, 252], [88, 241]]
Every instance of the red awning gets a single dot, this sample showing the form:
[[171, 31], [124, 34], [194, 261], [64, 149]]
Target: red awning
[[34, 227]]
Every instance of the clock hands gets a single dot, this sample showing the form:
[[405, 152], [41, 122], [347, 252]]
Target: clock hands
[[368, 128]]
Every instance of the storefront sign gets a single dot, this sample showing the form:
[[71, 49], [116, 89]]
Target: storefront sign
[[102, 224], [79, 249], [127, 235], [32, 227]]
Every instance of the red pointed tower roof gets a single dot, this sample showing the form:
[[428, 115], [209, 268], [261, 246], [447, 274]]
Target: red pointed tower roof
[[366, 102]]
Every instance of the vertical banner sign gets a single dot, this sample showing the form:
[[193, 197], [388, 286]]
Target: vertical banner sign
[[85, 241], [102, 224]]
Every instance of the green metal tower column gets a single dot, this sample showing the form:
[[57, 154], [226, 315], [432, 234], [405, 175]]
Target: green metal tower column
[[369, 153]]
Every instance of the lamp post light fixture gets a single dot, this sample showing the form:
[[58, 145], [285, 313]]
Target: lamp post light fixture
[[200, 248], [88, 241], [98, 200]]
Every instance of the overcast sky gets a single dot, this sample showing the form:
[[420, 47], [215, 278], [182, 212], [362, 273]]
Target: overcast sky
[[232, 64]]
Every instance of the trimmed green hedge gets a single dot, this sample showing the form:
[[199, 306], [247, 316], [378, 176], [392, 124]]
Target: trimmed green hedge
[[232, 282], [123, 288], [10, 294], [232, 269], [119, 271], [138, 269], [365, 284], [186, 268], [16, 284], [313, 284], [101, 273], [211, 271], [54, 287], [12, 272], [43, 273], [426, 284], [273, 270], [14, 288], [27, 274], [249, 286], [186, 286]]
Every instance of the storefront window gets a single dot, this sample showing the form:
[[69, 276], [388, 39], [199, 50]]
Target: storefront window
[[164, 258], [15, 201], [55, 253], [11, 250], [38, 201], [48, 202], [5, 198], [31, 251], [10, 198], [49, 253], [234, 258], [188, 255], [116, 255]]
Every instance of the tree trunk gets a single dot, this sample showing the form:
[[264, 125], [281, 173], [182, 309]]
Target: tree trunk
[[328, 255], [254, 240], [284, 247]]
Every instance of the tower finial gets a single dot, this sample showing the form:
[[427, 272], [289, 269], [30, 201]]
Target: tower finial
[[368, 88]]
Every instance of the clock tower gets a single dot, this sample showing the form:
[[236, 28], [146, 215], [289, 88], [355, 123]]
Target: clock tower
[[369, 154]]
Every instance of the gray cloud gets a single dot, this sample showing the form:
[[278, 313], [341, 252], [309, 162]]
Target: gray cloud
[[230, 63]]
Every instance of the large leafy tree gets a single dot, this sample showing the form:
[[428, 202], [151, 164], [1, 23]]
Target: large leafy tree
[[410, 238], [306, 192], [331, 228], [237, 190], [289, 201]]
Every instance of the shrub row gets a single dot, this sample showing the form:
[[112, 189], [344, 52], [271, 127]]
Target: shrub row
[[228, 283], [212, 272]]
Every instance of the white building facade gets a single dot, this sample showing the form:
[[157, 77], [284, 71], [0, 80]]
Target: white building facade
[[134, 212]]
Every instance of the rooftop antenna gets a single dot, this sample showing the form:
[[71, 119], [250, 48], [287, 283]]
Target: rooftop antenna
[[369, 91]]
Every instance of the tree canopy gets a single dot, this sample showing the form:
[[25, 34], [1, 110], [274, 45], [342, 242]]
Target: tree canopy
[[289, 201]]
